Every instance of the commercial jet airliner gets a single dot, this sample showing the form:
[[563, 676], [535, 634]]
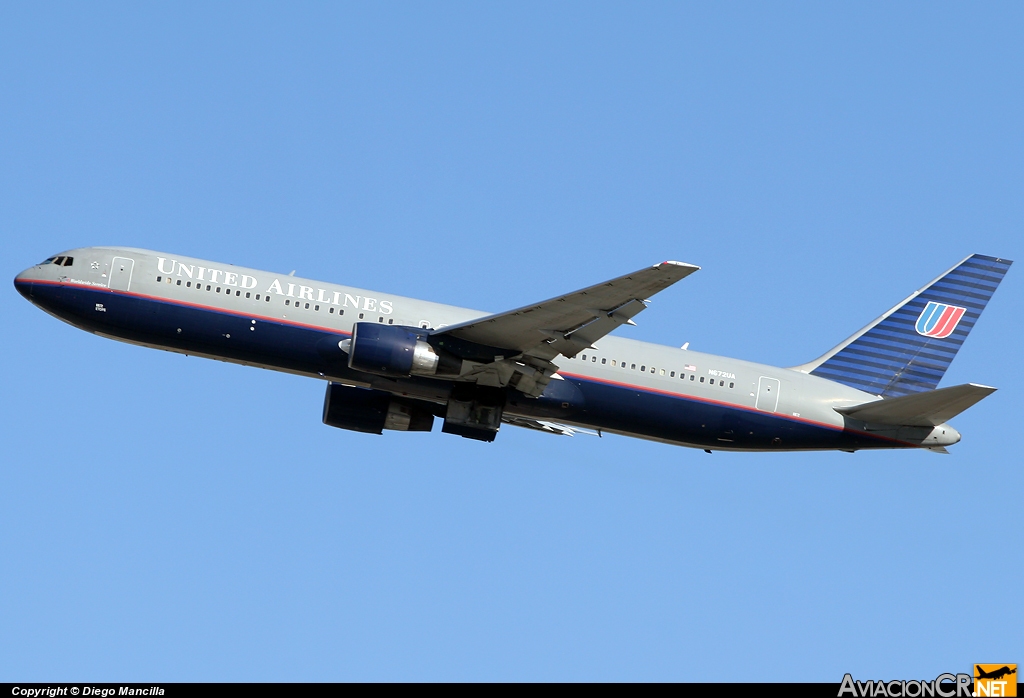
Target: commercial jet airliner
[[399, 363]]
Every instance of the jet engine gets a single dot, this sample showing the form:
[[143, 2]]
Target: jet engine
[[372, 411], [394, 350]]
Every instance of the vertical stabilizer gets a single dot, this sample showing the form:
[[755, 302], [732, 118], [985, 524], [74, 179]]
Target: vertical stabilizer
[[909, 348]]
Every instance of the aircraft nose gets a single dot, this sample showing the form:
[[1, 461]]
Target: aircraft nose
[[22, 283]]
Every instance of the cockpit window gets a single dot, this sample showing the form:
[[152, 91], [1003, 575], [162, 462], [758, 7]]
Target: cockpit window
[[61, 261]]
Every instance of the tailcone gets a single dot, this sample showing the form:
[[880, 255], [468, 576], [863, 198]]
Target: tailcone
[[943, 435]]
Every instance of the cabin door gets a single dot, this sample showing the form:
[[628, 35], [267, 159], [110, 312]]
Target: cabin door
[[121, 273], [767, 394]]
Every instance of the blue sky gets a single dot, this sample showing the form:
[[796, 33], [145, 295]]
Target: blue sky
[[171, 518]]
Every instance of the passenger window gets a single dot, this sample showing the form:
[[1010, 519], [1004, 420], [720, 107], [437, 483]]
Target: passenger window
[[702, 379], [391, 321], [287, 302], [307, 306], [423, 325], [584, 357], [247, 294], [179, 282], [218, 289], [643, 368], [341, 311], [159, 279], [258, 296], [188, 284], [652, 369], [633, 366], [266, 298], [731, 385], [360, 316], [208, 287], [604, 361], [613, 362], [691, 377], [238, 293], [672, 375], [593, 359], [380, 318]]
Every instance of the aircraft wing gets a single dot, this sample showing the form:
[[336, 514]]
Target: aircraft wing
[[571, 323]]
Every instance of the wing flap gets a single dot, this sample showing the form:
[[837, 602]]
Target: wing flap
[[547, 427], [929, 408]]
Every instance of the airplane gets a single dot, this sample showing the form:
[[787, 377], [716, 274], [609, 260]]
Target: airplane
[[996, 674], [395, 363]]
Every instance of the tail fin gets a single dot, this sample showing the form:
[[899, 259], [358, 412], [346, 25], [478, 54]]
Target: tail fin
[[909, 348]]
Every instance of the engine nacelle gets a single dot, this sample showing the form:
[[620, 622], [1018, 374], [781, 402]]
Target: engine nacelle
[[394, 350], [372, 411]]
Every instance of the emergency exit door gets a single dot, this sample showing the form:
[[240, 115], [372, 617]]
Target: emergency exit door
[[121, 273], [767, 394]]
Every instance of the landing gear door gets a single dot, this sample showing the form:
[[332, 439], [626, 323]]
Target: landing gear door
[[767, 394], [121, 273]]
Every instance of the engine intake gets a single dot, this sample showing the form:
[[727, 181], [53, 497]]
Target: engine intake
[[395, 350], [373, 411]]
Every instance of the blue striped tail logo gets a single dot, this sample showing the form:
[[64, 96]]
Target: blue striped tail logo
[[908, 349], [938, 320]]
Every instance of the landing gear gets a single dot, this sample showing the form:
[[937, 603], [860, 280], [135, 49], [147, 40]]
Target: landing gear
[[474, 411]]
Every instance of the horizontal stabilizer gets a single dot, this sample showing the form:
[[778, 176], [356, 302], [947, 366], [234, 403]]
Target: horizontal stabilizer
[[925, 409]]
